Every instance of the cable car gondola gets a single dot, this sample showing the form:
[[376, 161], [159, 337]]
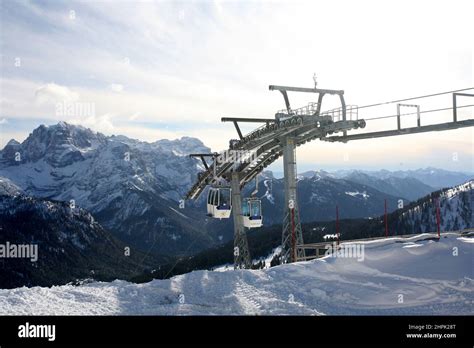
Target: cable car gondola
[[252, 209], [252, 212], [219, 203]]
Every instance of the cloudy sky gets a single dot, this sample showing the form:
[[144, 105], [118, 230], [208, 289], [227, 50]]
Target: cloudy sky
[[167, 69]]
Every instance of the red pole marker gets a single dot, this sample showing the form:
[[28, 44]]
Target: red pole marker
[[438, 219]]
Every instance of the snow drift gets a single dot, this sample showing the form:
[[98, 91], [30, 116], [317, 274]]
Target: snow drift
[[419, 275]]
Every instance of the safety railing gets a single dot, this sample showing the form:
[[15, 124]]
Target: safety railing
[[352, 113], [309, 109]]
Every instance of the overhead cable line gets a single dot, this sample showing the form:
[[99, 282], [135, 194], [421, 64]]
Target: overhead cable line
[[413, 98], [415, 113]]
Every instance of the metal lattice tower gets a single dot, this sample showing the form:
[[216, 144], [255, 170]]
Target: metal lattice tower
[[241, 247], [292, 234]]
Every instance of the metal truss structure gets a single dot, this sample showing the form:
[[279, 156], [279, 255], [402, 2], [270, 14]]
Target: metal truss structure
[[248, 155]]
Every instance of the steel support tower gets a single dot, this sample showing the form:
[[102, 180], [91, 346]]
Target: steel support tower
[[241, 247], [279, 137], [292, 234]]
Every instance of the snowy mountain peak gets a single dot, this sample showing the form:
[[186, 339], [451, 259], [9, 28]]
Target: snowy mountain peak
[[183, 146], [59, 145], [12, 142], [63, 124], [10, 151], [8, 188], [116, 178], [315, 175]]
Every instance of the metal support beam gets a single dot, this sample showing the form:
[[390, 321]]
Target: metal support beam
[[455, 110], [201, 156], [411, 130], [398, 117], [204, 163], [247, 119], [292, 234], [285, 89], [343, 105], [287, 101], [236, 125], [241, 248], [303, 89], [418, 117], [320, 101]]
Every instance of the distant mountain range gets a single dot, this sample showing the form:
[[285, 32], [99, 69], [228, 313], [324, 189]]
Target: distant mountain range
[[356, 193], [318, 196], [127, 193], [434, 177], [456, 213], [133, 188]]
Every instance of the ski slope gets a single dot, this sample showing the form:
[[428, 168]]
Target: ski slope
[[431, 280]]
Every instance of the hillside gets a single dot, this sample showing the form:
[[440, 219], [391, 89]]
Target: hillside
[[383, 282], [456, 213], [69, 244]]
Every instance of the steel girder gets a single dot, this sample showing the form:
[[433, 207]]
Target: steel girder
[[266, 145]]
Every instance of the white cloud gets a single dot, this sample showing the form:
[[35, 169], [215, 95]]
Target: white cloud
[[115, 87], [54, 93], [134, 116], [219, 59], [102, 124]]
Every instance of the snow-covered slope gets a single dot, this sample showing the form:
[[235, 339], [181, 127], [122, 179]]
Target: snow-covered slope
[[7, 187], [456, 207], [70, 243], [415, 276]]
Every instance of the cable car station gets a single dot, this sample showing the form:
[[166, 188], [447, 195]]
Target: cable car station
[[279, 137]]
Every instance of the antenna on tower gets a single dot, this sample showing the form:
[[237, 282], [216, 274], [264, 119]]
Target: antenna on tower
[[315, 81]]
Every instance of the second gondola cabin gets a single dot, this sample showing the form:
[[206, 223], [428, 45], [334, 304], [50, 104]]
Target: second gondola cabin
[[252, 213], [219, 203]]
